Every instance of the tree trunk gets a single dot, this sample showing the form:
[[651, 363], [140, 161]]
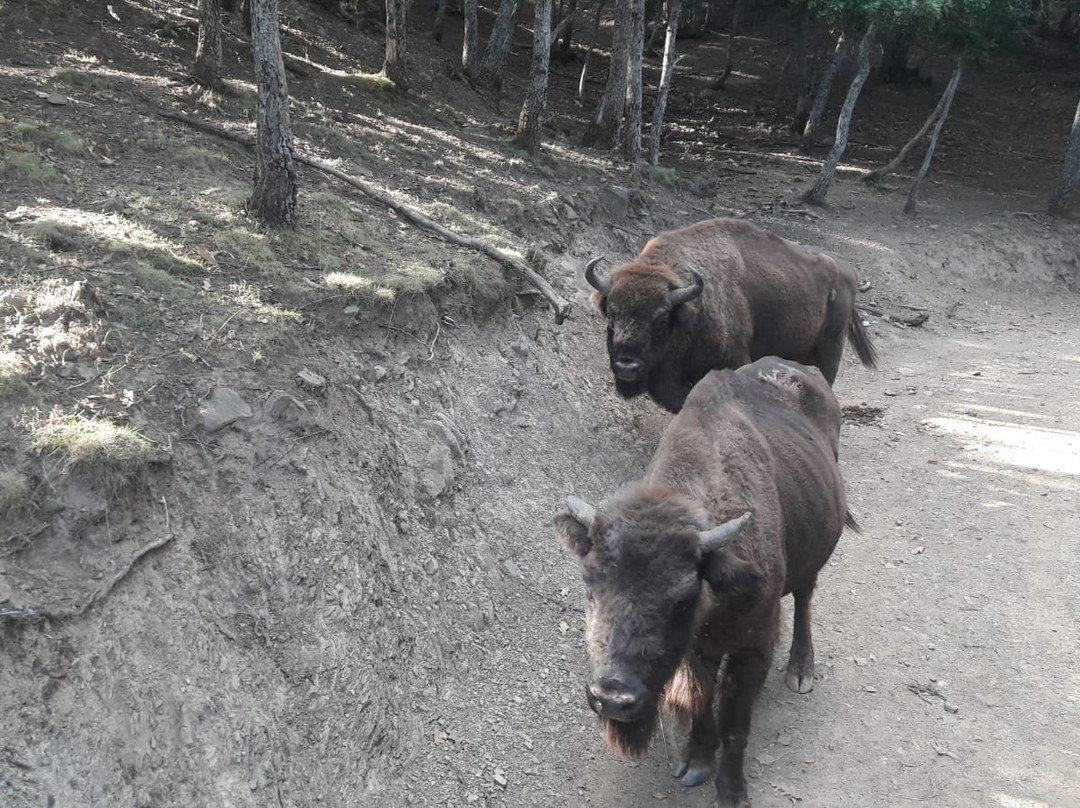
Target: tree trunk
[[208, 51], [803, 78], [246, 14], [274, 197], [735, 12], [532, 112], [470, 48], [565, 50], [589, 52], [440, 22], [893, 164], [811, 133], [816, 195], [394, 67], [632, 128], [657, 27], [1070, 170], [950, 93], [606, 128], [498, 46], [674, 10]]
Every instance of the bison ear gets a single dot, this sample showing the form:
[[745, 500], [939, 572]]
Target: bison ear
[[599, 303], [684, 315], [574, 535], [732, 578]]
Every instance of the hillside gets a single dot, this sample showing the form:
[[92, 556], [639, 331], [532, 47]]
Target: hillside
[[277, 506]]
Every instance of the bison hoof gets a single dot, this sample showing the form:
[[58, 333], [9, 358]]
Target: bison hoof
[[800, 679], [692, 773]]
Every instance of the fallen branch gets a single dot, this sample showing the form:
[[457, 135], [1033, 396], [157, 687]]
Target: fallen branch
[[98, 594], [560, 306]]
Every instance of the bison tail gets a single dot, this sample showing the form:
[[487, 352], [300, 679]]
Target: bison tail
[[860, 341], [849, 520]]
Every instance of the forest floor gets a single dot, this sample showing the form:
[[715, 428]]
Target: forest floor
[[344, 586]]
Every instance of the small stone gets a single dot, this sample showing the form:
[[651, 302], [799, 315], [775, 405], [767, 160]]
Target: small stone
[[431, 566], [500, 780], [438, 473], [951, 708], [616, 199], [114, 204], [520, 348], [222, 407], [312, 381], [379, 373], [283, 407], [57, 99], [352, 309], [512, 569]]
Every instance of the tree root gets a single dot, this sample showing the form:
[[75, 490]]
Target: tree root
[[560, 306]]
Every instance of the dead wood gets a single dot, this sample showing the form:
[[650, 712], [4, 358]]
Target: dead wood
[[560, 306]]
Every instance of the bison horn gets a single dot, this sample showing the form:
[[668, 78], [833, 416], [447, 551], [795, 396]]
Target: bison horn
[[602, 285], [581, 510], [687, 293], [722, 535]]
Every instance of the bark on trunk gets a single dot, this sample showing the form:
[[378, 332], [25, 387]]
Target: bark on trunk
[[606, 128], [394, 67], [531, 119], [657, 27], [274, 197], [1070, 171], [632, 128], [803, 78], [812, 131], [589, 52], [246, 14], [440, 22], [208, 51], [565, 51], [470, 48], [816, 195], [674, 10], [735, 12], [950, 94], [498, 46]]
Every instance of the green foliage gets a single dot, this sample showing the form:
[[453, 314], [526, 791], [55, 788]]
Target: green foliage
[[114, 455]]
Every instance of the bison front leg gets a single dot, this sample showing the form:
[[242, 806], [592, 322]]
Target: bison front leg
[[743, 679], [692, 698], [800, 666]]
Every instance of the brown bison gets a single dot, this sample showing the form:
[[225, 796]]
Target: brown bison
[[720, 294], [742, 503]]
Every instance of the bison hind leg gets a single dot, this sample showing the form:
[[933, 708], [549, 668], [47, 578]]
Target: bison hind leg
[[800, 667]]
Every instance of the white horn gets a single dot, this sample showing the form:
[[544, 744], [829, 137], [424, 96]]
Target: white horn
[[721, 535], [581, 510]]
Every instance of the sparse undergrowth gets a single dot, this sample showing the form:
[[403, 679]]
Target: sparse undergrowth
[[16, 495], [12, 374]]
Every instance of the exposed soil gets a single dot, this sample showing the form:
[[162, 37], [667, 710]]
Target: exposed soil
[[359, 598]]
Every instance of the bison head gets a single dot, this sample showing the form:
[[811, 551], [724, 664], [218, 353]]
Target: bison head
[[643, 304], [643, 561]]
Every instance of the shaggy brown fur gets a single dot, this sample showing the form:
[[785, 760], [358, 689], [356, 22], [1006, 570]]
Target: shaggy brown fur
[[762, 296], [665, 607]]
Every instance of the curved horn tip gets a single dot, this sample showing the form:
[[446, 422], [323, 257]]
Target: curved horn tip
[[602, 285], [722, 535], [581, 510], [685, 294]]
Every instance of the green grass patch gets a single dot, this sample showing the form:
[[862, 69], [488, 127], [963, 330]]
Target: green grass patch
[[665, 176], [413, 278], [156, 256], [16, 495], [12, 375], [56, 236], [82, 79], [331, 138], [195, 157], [247, 247], [114, 455], [28, 169], [45, 136], [369, 82], [151, 279]]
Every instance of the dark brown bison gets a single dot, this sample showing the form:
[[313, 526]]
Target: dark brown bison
[[720, 294], [742, 503]]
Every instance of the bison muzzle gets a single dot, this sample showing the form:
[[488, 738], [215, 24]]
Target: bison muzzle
[[720, 294], [742, 503]]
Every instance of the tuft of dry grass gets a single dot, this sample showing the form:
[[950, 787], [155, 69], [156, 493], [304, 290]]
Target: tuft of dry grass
[[16, 495], [12, 374], [114, 455]]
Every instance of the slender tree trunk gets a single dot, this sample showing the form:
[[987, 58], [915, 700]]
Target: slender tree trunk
[[274, 197], [950, 94], [394, 66], [674, 10], [606, 128], [735, 12], [440, 22], [803, 78], [208, 51], [1070, 170], [816, 195], [565, 49], [632, 128], [470, 48], [657, 26], [531, 119], [811, 133], [589, 52], [498, 46], [895, 163]]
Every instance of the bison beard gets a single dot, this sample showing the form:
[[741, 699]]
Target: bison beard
[[631, 739]]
